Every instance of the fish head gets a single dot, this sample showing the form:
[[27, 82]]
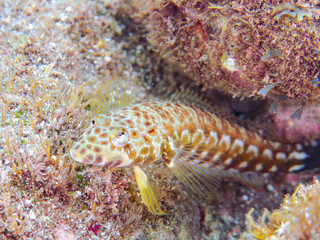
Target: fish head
[[103, 144]]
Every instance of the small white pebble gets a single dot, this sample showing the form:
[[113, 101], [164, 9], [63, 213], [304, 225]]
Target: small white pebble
[[107, 58], [245, 197], [32, 216], [270, 188], [230, 64], [308, 215], [69, 9], [78, 194], [27, 203]]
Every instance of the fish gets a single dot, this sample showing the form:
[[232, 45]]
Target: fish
[[198, 146]]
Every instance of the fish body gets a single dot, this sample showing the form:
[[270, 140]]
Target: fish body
[[197, 145], [153, 128]]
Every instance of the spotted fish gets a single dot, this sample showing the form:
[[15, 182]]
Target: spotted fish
[[198, 146]]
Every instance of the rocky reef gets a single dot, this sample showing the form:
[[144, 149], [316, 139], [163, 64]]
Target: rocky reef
[[239, 47], [54, 54]]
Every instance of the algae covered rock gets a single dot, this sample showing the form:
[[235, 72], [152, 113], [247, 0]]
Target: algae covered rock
[[240, 47]]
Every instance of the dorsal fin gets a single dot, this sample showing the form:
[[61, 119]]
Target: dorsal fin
[[190, 98], [114, 94]]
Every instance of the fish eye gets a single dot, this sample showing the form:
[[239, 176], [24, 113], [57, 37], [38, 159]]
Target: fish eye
[[93, 122], [119, 137], [120, 133]]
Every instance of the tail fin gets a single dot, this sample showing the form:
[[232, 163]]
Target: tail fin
[[313, 159]]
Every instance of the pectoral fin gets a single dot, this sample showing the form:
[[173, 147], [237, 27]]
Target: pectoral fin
[[197, 164], [147, 193], [191, 167]]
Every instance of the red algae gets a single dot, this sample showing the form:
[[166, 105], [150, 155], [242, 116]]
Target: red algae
[[307, 127], [234, 46], [53, 56]]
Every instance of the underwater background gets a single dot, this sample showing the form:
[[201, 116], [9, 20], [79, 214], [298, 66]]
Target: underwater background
[[256, 63]]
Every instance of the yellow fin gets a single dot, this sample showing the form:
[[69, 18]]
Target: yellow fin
[[192, 169], [147, 193], [115, 94]]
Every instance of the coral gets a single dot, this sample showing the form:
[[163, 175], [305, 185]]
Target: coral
[[237, 47], [297, 218]]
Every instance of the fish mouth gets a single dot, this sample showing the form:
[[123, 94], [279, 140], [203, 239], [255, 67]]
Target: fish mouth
[[81, 154], [113, 159], [76, 155]]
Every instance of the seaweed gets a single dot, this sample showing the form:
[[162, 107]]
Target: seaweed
[[297, 218]]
